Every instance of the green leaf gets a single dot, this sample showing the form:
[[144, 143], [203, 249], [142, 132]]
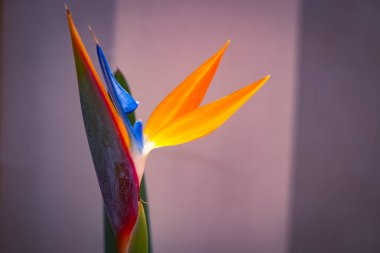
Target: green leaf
[[144, 197], [139, 237]]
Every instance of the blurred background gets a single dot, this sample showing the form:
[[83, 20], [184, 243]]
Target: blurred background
[[297, 169]]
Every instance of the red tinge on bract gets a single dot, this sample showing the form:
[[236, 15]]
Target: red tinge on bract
[[109, 145]]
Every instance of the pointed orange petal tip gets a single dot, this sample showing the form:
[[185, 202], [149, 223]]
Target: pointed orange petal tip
[[221, 52], [187, 96]]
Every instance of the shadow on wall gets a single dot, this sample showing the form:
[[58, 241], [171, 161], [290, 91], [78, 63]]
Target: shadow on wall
[[336, 178]]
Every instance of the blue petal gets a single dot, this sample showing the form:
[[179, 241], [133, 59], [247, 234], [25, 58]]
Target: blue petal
[[138, 131], [123, 101]]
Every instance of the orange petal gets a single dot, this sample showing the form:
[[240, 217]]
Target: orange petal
[[205, 119], [185, 97]]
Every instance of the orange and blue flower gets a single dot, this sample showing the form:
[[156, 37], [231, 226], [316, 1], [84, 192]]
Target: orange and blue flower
[[119, 148]]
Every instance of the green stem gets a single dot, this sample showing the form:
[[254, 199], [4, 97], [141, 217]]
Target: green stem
[[109, 237], [144, 197]]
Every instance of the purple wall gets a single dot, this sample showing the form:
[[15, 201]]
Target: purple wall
[[50, 201], [231, 191], [336, 205]]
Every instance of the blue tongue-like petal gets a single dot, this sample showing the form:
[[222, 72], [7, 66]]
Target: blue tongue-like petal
[[138, 131], [123, 101]]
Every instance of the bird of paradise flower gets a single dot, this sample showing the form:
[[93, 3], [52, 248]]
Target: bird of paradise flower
[[119, 147]]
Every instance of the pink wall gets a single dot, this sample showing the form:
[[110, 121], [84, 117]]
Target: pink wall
[[49, 195], [228, 192]]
